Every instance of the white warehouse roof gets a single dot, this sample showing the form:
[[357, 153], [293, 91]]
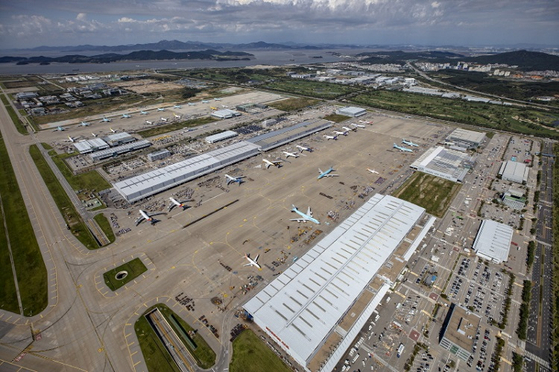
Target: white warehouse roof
[[303, 306], [351, 111], [465, 135], [221, 136], [514, 171], [493, 241]]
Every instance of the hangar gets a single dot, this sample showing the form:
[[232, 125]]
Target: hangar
[[221, 136], [273, 139], [493, 241], [466, 138], [444, 163], [352, 112], [514, 171], [119, 150], [315, 309], [225, 114], [90, 145]]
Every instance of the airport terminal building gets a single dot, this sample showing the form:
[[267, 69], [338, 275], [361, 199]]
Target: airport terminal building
[[316, 308]]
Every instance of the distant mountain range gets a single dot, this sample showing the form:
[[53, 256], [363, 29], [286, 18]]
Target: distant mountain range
[[141, 55]]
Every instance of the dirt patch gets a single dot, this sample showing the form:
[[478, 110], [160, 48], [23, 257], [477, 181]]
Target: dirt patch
[[146, 86]]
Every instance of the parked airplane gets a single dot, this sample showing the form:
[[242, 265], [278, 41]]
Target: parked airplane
[[72, 139], [304, 216], [177, 116], [330, 137], [175, 203], [143, 112], [126, 116], [409, 143], [344, 133], [93, 134], [105, 120], [205, 101], [288, 154], [231, 179], [59, 129], [276, 163], [191, 104], [252, 262], [164, 119], [83, 124], [358, 125], [147, 217], [149, 122], [372, 171], [326, 173], [113, 130], [303, 148], [402, 148], [161, 109], [177, 106], [217, 99], [349, 129]]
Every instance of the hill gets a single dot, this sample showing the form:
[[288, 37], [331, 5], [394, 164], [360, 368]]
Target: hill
[[525, 60]]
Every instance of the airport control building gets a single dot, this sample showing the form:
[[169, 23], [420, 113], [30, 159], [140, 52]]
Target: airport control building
[[315, 309]]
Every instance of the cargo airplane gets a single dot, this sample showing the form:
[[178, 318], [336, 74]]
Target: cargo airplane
[[72, 139], [409, 143], [372, 171], [401, 148], [330, 137], [358, 125], [176, 203], [326, 173], [149, 122], [303, 148], [177, 116], [269, 163], [147, 217], [252, 262], [338, 133], [231, 179], [349, 129], [304, 216], [113, 130], [288, 154], [164, 119]]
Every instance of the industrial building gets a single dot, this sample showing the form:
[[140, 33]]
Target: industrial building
[[315, 309], [444, 163], [352, 112], [117, 139], [119, 150], [466, 138], [514, 171], [159, 155], [514, 198], [221, 136], [493, 241], [271, 140], [458, 332], [225, 114], [90, 145]]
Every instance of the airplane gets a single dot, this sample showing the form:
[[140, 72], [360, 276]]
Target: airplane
[[126, 116], [72, 139], [113, 130], [303, 148], [372, 171], [252, 262], [59, 129], [335, 138], [205, 101], [149, 122], [191, 104], [230, 179], [161, 109], [143, 112], [83, 124], [164, 119], [147, 217], [288, 154], [217, 99], [338, 133], [177, 116], [348, 129], [177, 106], [409, 143], [401, 148], [358, 125], [304, 216], [326, 173], [277, 163], [105, 120], [175, 203], [93, 134], [213, 108]]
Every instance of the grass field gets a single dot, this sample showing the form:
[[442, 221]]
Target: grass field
[[105, 225], [69, 213], [250, 354], [13, 115], [135, 268], [336, 118], [293, 104], [310, 88], [91, 181], [28, 261], [432, 193], [156, 356], [175, 126]]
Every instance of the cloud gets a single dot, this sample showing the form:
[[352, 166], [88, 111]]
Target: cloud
[[81, 17]]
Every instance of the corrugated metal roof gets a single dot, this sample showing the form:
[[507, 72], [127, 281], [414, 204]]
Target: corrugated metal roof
[[493, 240], [304, 304], [221, 136]]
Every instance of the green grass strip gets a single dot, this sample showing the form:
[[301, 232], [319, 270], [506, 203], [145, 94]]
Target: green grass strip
[[134, 268], [63, 202], [250, 354], [105, 225], [91, 180], [28, 261]]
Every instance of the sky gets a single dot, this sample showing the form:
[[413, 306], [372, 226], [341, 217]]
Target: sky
[[31, 23]]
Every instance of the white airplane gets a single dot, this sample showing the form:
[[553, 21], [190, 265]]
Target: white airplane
[[126, 116], [105, 120], [191, 104], [113, 130], [175, 203], [372, 171], [217, 99], [59, 129], [231, 179], [269, 163], [304, 216], [177, 116], [149, 122], [288, 154], [409, 143], [349, 129], [330, 137], [161, 109], [252, 262], [72, 139], [177, 106], [83, 124], [147, 217], [93, 134], [326, 173], [205, 101], [303, 148], [358, 125], [143, 112], [401, 148], [344, 133], [164, 119]]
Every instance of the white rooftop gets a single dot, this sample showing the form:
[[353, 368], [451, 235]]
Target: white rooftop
[[460, 134], [493, 241], [303, 305]]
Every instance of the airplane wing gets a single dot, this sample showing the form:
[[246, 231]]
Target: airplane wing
[[139, 220], [171, 206], [248, 264], [256, 258], [309, 212], [298, 219], [320, 171]]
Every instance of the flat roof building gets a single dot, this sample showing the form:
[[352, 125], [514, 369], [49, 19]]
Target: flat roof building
[[119, 150], [159, 155], [225, 114], [221, 136], [466, 138], [444, 163], [90, 145], [493, 241], [315, 308], [514, 171], [273, 139], [352, 112], [117, 139], [459, 331]]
